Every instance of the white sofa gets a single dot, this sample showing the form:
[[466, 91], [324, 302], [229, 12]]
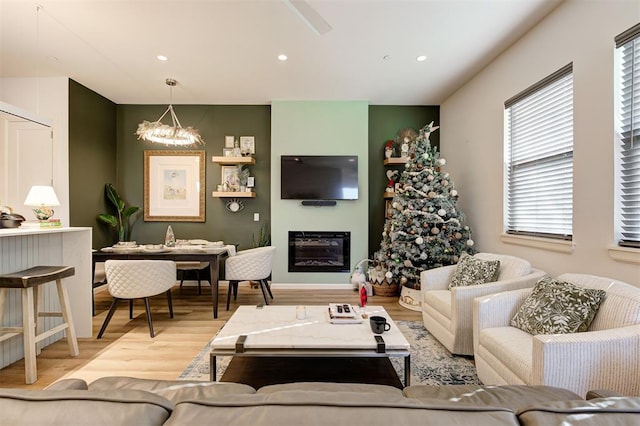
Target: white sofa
[[606, 356], [448, 314]]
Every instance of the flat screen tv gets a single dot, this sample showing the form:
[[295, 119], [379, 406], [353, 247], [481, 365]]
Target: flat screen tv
[[319, 177]]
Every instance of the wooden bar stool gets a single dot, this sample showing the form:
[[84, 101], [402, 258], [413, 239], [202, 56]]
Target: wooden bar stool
[[28, 281]]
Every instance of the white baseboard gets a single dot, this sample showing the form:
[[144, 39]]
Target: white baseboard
[[291, 286], [286, 286], [312, 286]]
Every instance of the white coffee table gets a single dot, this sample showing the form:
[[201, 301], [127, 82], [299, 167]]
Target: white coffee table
[[274, 331]]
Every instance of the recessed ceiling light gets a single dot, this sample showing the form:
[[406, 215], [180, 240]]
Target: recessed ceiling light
[[282, 57], [386, 57], [421, 58], [162, 58]]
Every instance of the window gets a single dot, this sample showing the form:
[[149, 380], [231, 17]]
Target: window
[[627, 210], [539, 158]]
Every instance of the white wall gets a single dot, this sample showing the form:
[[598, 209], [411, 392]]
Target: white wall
[[318, 128], [578, 31], [47, 98]]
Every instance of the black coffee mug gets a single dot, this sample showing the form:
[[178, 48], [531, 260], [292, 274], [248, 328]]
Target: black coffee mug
[[379, 324]]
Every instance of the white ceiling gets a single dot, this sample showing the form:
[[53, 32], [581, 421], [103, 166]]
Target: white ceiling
[[225, 51]]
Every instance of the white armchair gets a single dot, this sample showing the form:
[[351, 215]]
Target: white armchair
[[448, 313], [250, 265], [606, 356]]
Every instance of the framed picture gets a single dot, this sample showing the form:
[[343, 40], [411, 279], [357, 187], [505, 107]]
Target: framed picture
[[230, 179], [247, 145], [174, 186], [229, 141], [227, 152], [251, 182]]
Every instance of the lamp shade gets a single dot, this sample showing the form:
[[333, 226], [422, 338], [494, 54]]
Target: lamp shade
[[41, 196]]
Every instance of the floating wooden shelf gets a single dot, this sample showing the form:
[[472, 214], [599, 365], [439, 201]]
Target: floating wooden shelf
[[233, 194], [389, 194], [395, 161], [233, 160]]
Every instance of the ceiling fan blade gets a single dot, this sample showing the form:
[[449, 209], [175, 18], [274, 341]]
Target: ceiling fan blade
[[308, 14]]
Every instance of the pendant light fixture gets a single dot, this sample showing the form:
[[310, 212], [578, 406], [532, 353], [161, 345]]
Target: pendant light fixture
[[176, 135]]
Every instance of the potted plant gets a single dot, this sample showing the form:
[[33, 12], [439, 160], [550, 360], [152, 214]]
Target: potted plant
[[120, 221], [243, 177], [264, 239]]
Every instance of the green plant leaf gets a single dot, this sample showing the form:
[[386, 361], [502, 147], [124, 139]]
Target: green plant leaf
[[109, 219], [129, 211], [113, 196]]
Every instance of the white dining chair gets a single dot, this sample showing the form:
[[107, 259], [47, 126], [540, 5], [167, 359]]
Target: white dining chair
[[250, 265], [138, 279], [199, 268]]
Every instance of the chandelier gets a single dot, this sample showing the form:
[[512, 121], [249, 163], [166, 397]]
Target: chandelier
[[159, 132]]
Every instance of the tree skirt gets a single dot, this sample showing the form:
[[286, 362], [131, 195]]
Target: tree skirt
[[431, 363]]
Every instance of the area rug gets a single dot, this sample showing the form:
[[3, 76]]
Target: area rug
[[431, 363]]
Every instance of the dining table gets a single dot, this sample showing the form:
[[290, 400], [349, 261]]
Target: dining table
[[178, 254]]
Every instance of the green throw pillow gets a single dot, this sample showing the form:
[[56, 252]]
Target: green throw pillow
[[473, 271], [557, 307]]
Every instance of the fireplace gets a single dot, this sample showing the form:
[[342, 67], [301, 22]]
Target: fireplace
[[311, 251]]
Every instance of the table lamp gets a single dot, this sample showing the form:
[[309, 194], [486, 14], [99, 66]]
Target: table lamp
[[42, 198]]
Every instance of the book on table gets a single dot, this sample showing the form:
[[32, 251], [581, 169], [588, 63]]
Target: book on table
[[51, 223], [343, 313]]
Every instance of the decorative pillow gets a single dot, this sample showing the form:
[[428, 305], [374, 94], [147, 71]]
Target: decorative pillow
[[473, 271], [557, 307]]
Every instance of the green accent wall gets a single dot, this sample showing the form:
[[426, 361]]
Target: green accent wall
[[214, 122], [319, 128], [92, 158], [384, 124]]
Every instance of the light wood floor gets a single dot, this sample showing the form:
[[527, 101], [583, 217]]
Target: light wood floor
[[126, 349]]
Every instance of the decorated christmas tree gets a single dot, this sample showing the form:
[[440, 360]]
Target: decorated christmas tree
[[424, 229]]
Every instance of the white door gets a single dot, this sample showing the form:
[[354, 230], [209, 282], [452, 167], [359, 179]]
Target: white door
[[25, 160]]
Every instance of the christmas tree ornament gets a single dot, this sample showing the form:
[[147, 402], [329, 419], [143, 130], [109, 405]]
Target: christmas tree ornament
[[419, 240], [403, 280], [453, 193], [442, 162], [470, 243], [435, 230], [442, 212]]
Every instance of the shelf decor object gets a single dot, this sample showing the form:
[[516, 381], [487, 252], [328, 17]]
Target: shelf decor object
[[159, 132], [174, 186]]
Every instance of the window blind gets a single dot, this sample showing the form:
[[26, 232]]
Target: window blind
[[628, 131], [539, 156]]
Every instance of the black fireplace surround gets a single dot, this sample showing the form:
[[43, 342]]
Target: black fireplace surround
[[319, 251]]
